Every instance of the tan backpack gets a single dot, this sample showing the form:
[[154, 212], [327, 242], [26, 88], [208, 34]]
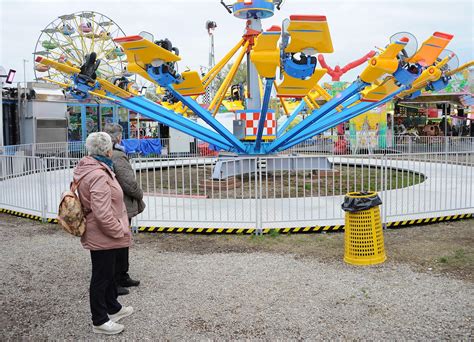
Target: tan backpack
[[70, 213]]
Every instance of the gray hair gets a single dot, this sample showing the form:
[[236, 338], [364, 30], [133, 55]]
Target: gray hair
[[115, 131], [98, 143]]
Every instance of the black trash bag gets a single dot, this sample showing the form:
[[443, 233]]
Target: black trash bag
[[352, 204]]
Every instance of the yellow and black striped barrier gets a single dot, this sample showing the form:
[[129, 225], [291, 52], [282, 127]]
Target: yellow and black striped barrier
[[228, 231], [248, 231], [19, 214], [419, 222]]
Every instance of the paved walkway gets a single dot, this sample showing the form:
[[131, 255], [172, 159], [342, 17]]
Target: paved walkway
[[448, 189]]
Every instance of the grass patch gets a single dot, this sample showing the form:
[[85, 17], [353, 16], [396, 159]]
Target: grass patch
[[274, 233], [189, 180], [459, 258]]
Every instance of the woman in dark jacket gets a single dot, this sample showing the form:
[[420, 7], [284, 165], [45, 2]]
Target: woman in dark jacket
[[133, 198]]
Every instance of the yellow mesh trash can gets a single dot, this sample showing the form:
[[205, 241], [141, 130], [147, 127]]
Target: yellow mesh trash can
[[363, 235]]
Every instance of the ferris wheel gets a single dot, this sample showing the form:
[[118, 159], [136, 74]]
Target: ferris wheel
[[70, 37]]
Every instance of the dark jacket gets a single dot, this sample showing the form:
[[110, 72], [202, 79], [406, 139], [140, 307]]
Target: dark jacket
[[132, 193], [102, 200]]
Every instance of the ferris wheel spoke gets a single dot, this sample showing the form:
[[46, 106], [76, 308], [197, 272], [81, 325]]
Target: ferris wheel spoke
[[57, 41], [68, 53], [92, 35], [81, 36], [78, 57], [64, 47], [57, 76], [103, 41]]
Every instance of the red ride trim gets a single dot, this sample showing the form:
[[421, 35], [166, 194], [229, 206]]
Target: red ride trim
[[274, 28], [128, 39], [305, 17], [38, 59], [404, 39], [443, 35]]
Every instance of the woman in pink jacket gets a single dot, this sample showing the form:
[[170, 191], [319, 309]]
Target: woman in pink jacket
[[106, 230]]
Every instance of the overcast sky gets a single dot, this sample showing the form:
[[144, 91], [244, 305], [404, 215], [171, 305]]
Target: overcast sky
[[356, 26]]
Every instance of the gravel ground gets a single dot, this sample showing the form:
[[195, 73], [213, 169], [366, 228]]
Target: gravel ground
[[201, 296]]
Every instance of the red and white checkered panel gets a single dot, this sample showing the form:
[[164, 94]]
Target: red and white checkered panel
[[251, 121]]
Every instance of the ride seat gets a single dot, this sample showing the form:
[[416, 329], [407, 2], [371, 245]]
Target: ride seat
[[296, 87], [88, 71], [265, 55], [191, 84], [378, 91], [309, 34]]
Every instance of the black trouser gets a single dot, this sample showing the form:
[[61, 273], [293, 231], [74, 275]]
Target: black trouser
[[103, 293], [121, 263], [121, 266]]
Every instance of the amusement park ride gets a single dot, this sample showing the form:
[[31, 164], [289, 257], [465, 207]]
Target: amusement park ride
[[279, 58]]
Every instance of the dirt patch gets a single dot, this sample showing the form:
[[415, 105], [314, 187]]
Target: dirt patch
[[244, 287], [444, 248]]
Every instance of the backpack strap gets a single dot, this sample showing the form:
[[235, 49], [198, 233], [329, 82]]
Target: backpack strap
[[74, 185]]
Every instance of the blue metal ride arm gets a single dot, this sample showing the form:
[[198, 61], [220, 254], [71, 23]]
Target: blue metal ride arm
[[160, 110], [333, 112], [263, 112], [316, 115], [332, 121], [293, 115], [208, 118], [303, 104], [165, 116]]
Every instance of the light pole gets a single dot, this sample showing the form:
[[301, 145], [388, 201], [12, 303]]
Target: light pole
[[24, 71], [24, 81], [210, 27]]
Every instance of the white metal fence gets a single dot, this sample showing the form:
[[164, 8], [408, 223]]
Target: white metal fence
[[321, 144], [372, 144], [267, 192]]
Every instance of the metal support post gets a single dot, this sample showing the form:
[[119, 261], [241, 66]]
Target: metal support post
[[263, 112], [258, 199], [217, 100], [253, 88], [211, 74], [43, 190], [384, 190], [1, 111]]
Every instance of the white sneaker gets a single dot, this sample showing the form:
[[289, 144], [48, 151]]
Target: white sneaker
[[124, 312], [108, 328]]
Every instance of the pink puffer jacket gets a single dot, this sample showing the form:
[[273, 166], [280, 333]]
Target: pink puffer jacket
[[102, 199]]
